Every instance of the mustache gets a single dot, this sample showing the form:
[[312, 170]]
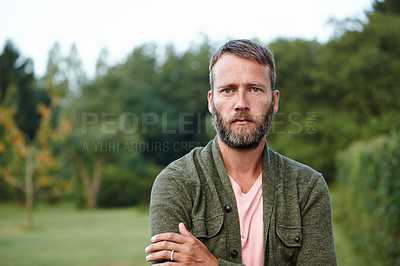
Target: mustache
[[241, 116]]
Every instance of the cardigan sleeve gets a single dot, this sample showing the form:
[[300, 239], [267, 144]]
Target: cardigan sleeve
[[172, 202], [318, 246]]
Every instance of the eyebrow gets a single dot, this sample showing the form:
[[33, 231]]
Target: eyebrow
[[247, 85], [256, 85]]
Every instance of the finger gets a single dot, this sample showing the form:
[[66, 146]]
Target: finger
[[160, 255], [183, 230], [163, 245], [172, 237]]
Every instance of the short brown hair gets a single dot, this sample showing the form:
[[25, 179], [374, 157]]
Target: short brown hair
[[246, 49]]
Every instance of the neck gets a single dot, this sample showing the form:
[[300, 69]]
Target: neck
[[244, 166]]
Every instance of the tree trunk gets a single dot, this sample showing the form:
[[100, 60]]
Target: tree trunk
[[92, 184], [29, 191]]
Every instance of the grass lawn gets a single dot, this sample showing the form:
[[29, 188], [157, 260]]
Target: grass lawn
[[64, 235], [344, 249], [345, 252]]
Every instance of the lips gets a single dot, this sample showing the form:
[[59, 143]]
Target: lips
[[241, 121]]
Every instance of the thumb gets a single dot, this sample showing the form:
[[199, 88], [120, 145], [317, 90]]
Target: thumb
[[183, 230]]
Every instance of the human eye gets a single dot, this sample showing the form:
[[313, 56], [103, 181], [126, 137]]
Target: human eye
[[227, 90], [255, 89]]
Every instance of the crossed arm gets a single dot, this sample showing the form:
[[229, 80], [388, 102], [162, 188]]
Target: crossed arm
[[172, 243], [183, 248], [170, 210]]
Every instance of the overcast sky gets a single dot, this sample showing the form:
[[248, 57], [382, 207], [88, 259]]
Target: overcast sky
[[120, 25]]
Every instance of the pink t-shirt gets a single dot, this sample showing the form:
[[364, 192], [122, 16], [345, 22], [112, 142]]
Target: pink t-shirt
[[251, 219]]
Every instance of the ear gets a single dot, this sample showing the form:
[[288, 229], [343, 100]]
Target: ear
[[276, 100], [209, 98]]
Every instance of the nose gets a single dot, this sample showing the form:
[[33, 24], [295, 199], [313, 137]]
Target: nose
[[241, 102]]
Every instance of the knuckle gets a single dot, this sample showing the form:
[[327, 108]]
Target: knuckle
[[192, 242], [190, 251], [167, 254], [164, 244]]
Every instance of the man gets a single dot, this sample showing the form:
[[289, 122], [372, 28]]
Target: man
[[236, 201]]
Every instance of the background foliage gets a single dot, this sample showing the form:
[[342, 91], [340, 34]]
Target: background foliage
[[370, 201], [121, 127]]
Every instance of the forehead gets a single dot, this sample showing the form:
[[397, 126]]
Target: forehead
[[231, 67]]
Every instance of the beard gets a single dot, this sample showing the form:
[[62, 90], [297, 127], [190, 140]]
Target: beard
[[243, 137]]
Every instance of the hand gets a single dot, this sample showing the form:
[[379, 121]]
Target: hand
[[188, 250]]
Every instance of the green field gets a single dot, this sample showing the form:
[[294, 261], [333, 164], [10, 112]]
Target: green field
[[65, 235]]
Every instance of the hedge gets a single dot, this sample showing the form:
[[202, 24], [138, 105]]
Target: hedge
[[368, 184], [121, 188]]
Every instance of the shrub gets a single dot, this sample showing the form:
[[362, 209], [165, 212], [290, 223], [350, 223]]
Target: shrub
[[120, 187], [368, 181]]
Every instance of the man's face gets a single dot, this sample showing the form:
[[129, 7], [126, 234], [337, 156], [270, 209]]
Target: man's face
[[242, 103]]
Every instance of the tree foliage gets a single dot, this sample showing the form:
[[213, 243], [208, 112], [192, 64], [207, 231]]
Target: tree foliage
[[350, 84], [27, 158], [141, 114], [368, 180], [135, 117], [387, 6], [17, 82]]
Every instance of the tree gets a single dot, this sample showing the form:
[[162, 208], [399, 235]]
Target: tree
[[28, 158], [67, 73], [177, 96], [16, 72], [295, 128], [335, 93], [139, 115], [106, 114], [387, 6]]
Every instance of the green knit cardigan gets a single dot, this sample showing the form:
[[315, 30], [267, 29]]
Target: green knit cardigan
[[196, 190]]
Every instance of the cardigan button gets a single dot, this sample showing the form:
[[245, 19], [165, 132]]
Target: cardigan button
[[234, 253], [227, 208], [297, 239]]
